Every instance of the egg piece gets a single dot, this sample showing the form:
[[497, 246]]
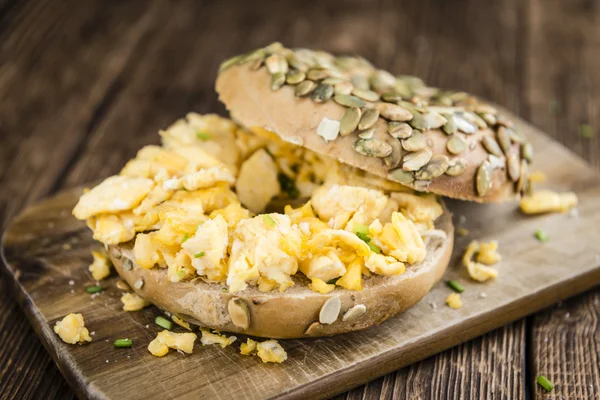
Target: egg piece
[[145, 252], [323, 267], [179, 266], [155, 197], [344, 240], [547, 201], [249, 347], [216, 338], [321, 286], [344, 206], [133, 302], [418, 208], [181, 322], [196, 158], [271, 351], [208, 248], [384, 265], [71, 329], [201, 179], [266, 245], [114, 194], [166, 340], [257, 181], [402, 241], [110, 229], [233, 214], [352, 279], [100, 267], [453, 301], [488, 253], [477, 271], [211, 199]]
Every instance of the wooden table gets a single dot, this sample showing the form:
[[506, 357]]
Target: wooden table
[[84, 84]]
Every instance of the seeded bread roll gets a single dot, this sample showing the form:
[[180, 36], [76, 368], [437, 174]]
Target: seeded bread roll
[[442, 142], [299, 311]]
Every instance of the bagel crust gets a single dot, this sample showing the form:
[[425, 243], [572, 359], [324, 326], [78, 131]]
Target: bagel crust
[[494, 155], [294, 313]]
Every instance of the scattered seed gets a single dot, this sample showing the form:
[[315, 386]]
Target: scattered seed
[[373, 148], [354, 313], [94, 289], [333, 80], [457, 166], [496, 162], [349, 121], [401, 176], [415, 161], [294, 77], [491, 146], [483, 179], [330, 311], [304, 88], [348, 100], [394, 112], [368, 119], [239, 313], [277, 80], [476, 119], [456, 144], [415, 142], [367, 95], [322, 93], [399, 130], [421, 186]]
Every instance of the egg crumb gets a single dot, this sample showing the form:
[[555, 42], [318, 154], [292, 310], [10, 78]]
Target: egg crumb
[[216, 338], [320, 286], [453, 300], [166, 340], [71, 329], [488, 253], [546, 201], [248, 348], [100, 267], [181, 322], [268, 351], [537, 177], [133, 302], [477, 271]]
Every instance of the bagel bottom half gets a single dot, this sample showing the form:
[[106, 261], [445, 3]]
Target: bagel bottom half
[[295, 312]]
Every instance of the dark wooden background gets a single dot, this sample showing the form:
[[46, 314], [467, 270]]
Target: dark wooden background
[[84, 83]]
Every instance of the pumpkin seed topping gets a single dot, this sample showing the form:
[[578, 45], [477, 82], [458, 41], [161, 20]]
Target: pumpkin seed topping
[[415, 161], [330, 311], [415, 142], [373, 148], [399, 130], [304, 88], [354, 313], [464, 125], [294, 77], [322, 93], [456, 144], [367, 134], [401, 176], [394, 112], [239, 313], [450, 127], [514, 166], [318, 74], [491, 146], [393, 160], [367, 95], [276, 64], [391, 97], [434, 168], [349, 121], [344, 88], [456, 167], [527, 152], [429, 120], [348, 100], [483, 180], [368, 119], [504, 139], [277, 80]]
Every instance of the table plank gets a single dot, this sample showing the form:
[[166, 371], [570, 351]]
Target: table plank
[[563, 92]]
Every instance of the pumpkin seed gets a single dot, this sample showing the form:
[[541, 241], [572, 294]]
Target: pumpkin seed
[[401, 176], [502, 120], [230, 62], [527, 152], [457, 166], [491, 146], [372, 148], [399, 130], [490, 119], [516, 137], [458, 97], [449, 127], [382, 81], [330, 311], [360, 81], [122, 285], [391, 97], [496, 162], [367, 134], [367, 95], [295, 62], [354, 313], [138, 283], [348, 100], [483, 180], [394, 112], [314, 329], [322, 93], [273, 47], [523, 182], [318, 74], [368, 119], [349, 121], [434, 168], [333, 80], [115, 253], [428, 120], [485, 109], [464, 125], [415, 142], [276, 64], [420, 185], [343, 88], [393, 160], [294, 77], [456, 144], [514, 167], [127, 265], [239, 313], [504, 139], [304, 88], [277, 80], [415, 161]]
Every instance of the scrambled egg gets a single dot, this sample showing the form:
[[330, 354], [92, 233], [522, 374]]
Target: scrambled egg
[[477, 271], [453, 301], [191, 206], [166, 340], [100, 268], [216, 338], [133, 302], [268, 351], [71, 329], [546, 201]]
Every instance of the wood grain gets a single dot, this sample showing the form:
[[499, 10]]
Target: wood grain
[[533, 276]]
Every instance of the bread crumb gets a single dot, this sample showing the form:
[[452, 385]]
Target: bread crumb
[[453, 300]]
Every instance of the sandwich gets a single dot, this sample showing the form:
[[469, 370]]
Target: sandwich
[[316, 209]]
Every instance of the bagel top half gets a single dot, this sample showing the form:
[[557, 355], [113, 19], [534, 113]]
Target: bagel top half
[[447, 143]]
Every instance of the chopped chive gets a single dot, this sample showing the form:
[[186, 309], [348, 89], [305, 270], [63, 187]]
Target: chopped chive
[[586, 131], [333, 281], [123, 343], [545, 383], [457, 287], [363, 237], [203, 135], [224, 290], [185, 237], [163, 322], [360, 228], [541, 235], [94, 289], [269, 220], [198, 255], [288, 186], [374, 248], [181, 273]]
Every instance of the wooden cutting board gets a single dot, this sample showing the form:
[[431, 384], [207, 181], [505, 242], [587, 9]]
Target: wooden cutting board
[[46, 253]]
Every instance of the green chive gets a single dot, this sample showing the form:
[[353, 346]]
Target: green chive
[[185, 237], [457, 287], [224, 290], [94, 289], [541, 235], [374, 248], [198, 255], [203, 135], [545, 383], [363, 237], [123, 343], [288, 186], [163, 322], [360, 228], [333, 281], [269, 220], [181, 273], [586, 131]]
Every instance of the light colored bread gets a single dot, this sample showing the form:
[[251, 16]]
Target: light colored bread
[[245, 87], [295, 312]]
